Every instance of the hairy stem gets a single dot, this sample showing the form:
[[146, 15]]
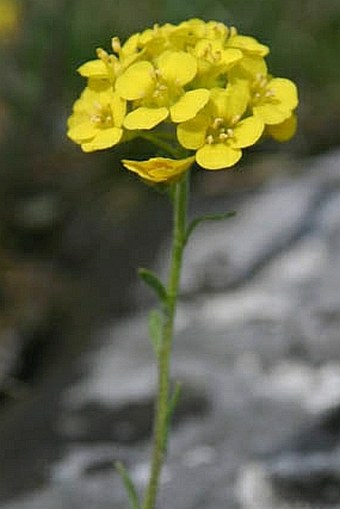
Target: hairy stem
[[163, 397]]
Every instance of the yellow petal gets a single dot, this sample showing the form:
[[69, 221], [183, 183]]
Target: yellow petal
[[192, 134], [285, 92], [247, 132], [145, 118], [230, 56], [231, 102], [159, 169], [189, 105], [271, 113], [99, 84], [136, 82], [217, 156], [284, 131], [94, 69], [177, 67], [82, 131], [249, 44], [118, 108], [105, 138], [249, 66]]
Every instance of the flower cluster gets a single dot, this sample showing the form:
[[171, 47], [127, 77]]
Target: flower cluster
[[201, 84]]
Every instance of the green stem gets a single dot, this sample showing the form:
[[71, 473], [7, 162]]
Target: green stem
[[163, 145], [163, 398]]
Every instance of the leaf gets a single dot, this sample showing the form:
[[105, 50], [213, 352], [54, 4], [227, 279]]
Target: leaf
[[210, 217], [152, 280], [129, 485], [155, 330]]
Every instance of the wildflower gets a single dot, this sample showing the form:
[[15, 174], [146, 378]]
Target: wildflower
[[157, 90], [219, 133], [159, 169], [96, 122], [203, 79], [273, 99]]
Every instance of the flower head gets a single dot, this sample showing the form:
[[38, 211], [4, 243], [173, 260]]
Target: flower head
[[219, 132], [96, 122], [207, 81], [157, 90]]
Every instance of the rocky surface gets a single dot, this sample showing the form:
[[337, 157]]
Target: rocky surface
[[257, 350]]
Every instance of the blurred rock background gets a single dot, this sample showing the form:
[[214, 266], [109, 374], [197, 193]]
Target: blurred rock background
[[258, 329]]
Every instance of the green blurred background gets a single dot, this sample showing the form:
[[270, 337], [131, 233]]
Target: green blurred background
[[45, 180]]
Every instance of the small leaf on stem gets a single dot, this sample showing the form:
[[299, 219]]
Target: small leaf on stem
[[210, 217], [152, 280], [129, 486]]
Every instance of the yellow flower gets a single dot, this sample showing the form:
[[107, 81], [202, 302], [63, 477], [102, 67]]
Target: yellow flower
[[160, 169], [204, 78], [273, 99], [96, 122], [157, 90], [284, 131], [218, 133], [9, 18]]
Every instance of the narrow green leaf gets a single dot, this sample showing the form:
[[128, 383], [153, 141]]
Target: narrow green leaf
[[152, 280], [129, 486], [202, 219], [155, 329]]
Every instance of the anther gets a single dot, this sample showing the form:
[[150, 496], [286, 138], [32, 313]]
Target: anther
[[235, 119], [233, 31], [96, 119], [210, 139], [230, 132], [102, 54], [115, 43], [223, 136], [217, 122]]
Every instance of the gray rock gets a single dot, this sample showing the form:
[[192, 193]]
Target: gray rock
[[256, 348]]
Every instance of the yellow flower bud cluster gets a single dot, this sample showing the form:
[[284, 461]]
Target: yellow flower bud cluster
[[205, 82]]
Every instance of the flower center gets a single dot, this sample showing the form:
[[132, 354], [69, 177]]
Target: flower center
[[260, 91], [220, 130], [102, 116]]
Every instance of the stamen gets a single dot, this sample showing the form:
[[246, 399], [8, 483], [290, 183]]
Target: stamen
[[115, 44], [218, 121], [235, 119], [230, 132], [210, 139], [96, 119], [223, 136], [233, 31], [102, 55]]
